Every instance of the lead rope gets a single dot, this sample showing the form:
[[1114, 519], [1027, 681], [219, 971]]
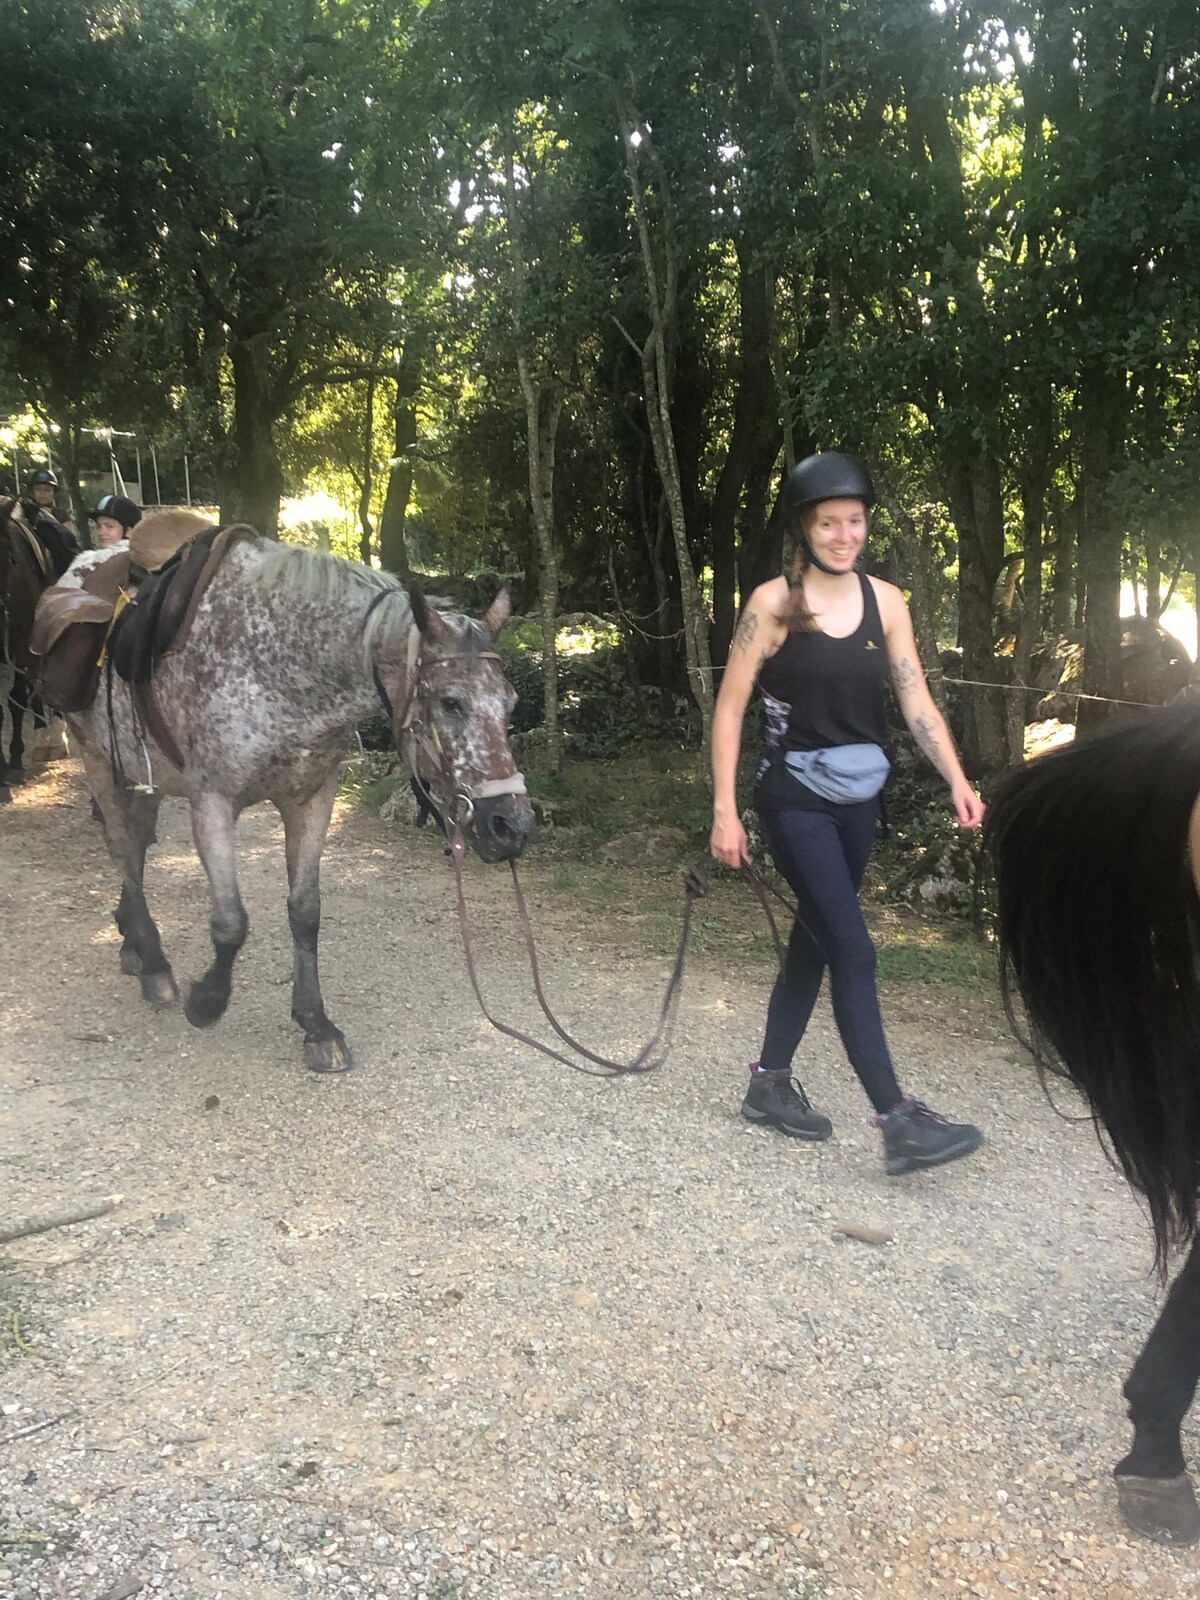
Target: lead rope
[[651, 1054]]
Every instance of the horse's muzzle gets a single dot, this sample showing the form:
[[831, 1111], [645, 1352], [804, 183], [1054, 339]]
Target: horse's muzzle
[[500, 826]]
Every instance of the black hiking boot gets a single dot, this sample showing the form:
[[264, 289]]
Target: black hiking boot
[[915, 1137], [777, 1100]]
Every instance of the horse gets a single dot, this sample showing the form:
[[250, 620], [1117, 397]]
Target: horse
[[286, 652], [27, 567], [1096, 851]]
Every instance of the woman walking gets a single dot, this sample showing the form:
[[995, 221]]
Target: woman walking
[[820, 645]]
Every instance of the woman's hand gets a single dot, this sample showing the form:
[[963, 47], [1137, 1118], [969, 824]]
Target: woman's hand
[[968, 807], [728, 843]]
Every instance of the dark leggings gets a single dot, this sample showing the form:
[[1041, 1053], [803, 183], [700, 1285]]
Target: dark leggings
[[822, 852]]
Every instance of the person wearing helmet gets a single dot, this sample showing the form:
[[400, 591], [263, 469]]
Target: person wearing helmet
[[113, 518], [820, 644], [50, 522], [42, 488]]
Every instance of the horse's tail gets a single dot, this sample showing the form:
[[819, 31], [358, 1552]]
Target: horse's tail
[[1099, 930]]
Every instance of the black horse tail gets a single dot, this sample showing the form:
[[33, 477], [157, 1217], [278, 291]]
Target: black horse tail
[[1099, 931]]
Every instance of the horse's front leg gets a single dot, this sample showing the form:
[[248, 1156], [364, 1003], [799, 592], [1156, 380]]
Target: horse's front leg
[[7, 684], [213, 823], [129, 820], [305, 824], [1156, 1497], [19, 700]]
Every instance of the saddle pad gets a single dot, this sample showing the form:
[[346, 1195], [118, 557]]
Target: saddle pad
[[163, 534]]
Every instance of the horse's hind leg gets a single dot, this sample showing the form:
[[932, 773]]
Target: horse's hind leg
[[305, 824], [1156, 1497], [129, 829], [213, 823]]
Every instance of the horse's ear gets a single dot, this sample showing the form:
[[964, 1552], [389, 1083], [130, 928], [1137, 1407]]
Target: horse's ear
[[498, 613]]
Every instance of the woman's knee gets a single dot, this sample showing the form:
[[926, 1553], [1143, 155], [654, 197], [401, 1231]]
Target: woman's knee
[[852, 955]]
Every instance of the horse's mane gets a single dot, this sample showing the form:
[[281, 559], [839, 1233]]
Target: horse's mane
[[1099, 933], [333, 582]]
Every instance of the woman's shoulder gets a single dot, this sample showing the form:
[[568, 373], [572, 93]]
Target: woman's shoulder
[[771, 599], [888, 597]]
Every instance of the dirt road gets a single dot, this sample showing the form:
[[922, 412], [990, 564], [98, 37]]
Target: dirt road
[[465, 1324]]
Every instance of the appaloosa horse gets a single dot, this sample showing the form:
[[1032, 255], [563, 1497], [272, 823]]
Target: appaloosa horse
[[1097, 855], [27, 566], [287, 651]]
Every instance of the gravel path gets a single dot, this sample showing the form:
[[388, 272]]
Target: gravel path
[[465, 1324]]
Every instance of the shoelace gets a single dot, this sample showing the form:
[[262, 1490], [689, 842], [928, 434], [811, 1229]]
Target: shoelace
[[797, 1090], [920, 1109]]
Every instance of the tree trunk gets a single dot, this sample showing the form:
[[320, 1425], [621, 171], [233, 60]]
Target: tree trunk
[[753, 416], [656, 385], [760, 540], [393, 552], [1100, 546], [256, 476], [367, 478], [70, 435], [1033, 515], [977, 507], [1154, 577], [915, 561], [543, 409], [1062, 586]]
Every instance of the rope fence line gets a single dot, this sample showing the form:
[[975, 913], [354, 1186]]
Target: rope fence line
[[1068, 694]]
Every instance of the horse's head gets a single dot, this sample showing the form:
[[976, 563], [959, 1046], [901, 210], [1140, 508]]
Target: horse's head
[[452, 725]]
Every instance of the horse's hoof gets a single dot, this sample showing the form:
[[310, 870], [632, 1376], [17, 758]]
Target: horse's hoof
[[5, 795], [1162, 1509], [328, 1055], [159, 989], [131, 962], [17, 775], [205, 1006]]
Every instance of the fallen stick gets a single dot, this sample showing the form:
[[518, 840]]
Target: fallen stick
[[59, 1219], [79, 1412]]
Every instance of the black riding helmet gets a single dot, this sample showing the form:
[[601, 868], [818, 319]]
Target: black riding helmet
[[829, 475], [42, 475], [119, 509]]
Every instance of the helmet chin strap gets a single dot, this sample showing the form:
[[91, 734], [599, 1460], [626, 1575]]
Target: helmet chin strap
[[834, 572]]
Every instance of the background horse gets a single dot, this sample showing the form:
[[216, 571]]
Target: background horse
[[1097, 856], [288, 650], [22, 580]]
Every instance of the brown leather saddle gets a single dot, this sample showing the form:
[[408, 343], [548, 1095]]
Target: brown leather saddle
[[125, 619]]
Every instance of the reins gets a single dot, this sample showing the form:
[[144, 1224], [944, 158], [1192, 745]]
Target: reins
[[652, 1053]]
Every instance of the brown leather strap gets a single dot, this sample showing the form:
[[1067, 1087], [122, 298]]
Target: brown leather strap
[[650, 1056], [156, 724]]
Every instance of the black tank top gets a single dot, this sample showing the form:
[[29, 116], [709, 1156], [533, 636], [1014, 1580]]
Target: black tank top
[[819, 691]]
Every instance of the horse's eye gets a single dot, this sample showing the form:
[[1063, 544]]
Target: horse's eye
[[453, 706]]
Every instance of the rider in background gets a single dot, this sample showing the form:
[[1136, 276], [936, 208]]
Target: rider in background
[[42, 488], [50, 523], [820, 643], [112, 520]]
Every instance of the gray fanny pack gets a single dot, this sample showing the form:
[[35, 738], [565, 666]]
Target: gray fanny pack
[[844, 773]]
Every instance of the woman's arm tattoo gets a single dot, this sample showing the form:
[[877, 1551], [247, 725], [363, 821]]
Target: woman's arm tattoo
[[906, 675], [925, 732], [746, 629]]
